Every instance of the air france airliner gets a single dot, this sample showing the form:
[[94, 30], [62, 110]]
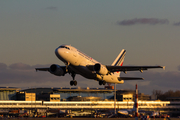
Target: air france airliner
[[77, 62]]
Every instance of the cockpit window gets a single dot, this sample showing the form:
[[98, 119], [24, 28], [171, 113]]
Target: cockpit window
[[64, 47]]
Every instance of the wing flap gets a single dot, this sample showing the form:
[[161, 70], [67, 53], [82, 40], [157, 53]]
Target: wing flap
[[130, 78]]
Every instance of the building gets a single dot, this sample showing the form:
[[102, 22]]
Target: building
[[8, 93], [142, 96], [54, 97], [30, 96], [83, 94], [21, 95], [125, 95], [80, 98], [101, 93]]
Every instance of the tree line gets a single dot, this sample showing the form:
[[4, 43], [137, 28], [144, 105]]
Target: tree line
[[164, 95]]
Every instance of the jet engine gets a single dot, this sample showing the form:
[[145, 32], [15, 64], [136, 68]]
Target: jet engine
[[100, 69], [56, 70]]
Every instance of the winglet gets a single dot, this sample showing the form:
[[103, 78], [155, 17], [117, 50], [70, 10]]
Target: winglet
[[164, 67]]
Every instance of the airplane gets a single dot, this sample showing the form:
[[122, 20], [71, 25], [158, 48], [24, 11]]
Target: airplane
[[131, 112], [77, 62], [135, 111]]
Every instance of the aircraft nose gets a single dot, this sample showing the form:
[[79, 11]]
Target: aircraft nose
[[60, 53]]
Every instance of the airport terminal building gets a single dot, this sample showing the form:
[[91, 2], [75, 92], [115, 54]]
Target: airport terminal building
[[82, 94], [79, 99], [8, 93]]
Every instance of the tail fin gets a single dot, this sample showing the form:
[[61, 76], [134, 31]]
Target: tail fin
[[134, 108], [120, 58]]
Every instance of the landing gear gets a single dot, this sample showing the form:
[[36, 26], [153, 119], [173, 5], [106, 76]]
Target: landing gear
[[102, 82], [73, 82]]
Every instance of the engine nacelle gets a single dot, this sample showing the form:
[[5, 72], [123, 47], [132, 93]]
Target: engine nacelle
[[56, 70], [100, 69]]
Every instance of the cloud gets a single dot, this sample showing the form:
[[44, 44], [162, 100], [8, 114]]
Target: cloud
[[18, 72], [179, 67], [51, 8], [20, 66], [177, 24], [3, 66], [164, 81], [149, 21]]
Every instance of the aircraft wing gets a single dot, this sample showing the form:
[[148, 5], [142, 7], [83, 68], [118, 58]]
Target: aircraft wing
[[131, 68], [130, 78]]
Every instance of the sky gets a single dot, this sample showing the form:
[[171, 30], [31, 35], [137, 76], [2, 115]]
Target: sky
[[30, 31]]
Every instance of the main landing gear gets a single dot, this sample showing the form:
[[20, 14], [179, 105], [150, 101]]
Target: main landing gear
[[73, 82], [102, 82]]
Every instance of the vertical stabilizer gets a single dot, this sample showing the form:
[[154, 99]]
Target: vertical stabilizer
[[120, 58]]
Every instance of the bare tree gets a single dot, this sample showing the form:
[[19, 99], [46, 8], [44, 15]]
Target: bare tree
[[162, 96]]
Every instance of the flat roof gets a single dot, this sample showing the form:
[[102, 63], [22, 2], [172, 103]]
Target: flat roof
[[9, 88], [75, 89], [82, 90]]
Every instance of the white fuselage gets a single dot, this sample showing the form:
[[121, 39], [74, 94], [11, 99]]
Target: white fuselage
[[78, 61]]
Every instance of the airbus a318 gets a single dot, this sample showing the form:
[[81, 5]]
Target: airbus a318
[[76, 62]]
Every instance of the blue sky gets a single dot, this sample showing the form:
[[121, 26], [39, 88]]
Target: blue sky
[[31, 30]]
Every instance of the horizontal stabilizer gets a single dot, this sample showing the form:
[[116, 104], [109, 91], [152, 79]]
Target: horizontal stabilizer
[[130, 78]]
